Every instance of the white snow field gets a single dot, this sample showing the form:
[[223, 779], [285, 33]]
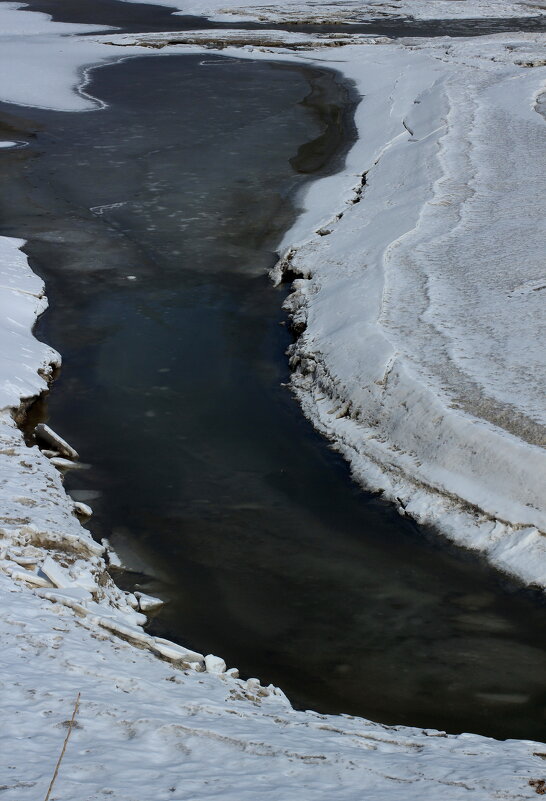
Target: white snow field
[[149, 730], [418, 310]]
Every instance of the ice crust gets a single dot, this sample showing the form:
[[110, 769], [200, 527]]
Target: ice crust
[[386, 364], [42, 62]]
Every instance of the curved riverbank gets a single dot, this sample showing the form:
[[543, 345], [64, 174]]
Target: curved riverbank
[[448, 429], [244, 501]]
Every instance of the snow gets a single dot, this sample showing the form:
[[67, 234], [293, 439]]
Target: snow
[[25, 363], [215, 664], [417, 357], [146, 729], [313, 11], [42, 62]]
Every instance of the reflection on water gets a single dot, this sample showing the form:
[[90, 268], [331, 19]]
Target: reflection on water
[[153, 223]]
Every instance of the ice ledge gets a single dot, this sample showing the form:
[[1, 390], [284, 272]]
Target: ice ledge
[[377, 364]]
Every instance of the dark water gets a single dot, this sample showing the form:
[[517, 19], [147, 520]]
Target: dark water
[[154, 223], [139, 17]]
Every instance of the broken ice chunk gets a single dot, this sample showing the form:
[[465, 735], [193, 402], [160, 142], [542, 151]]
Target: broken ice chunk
[[233, 673], [56, 574], [214, 664], [148, 603], [20, 574], [171, 650], [63, 464], [113, 559], [46, 434], [82, 509]]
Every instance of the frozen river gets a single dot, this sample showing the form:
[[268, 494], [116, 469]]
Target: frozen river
[[154, 223]]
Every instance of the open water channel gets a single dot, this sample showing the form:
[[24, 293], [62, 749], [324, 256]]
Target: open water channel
[[154, 223]]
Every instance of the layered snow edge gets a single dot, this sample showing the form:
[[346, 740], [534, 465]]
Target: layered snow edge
[[417, 306]]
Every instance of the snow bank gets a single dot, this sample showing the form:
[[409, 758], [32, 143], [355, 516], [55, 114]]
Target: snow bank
[[25, 363], [313, 11], [148, 730], [420, 311]]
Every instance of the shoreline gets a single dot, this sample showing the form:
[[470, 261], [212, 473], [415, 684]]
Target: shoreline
[[201, 631], [509, 531]]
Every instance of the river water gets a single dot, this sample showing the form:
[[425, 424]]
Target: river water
[[154, 224]]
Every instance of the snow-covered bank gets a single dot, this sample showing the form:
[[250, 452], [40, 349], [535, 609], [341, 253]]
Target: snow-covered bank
[[420, 311], [148, 730], [325, 11], [24, 362]]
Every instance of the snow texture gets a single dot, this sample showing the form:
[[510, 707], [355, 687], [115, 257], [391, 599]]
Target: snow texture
[[339, 11], [402, 278], [420, 305], [146, 729]]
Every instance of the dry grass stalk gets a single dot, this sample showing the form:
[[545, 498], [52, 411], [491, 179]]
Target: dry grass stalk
[[66, 739]]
